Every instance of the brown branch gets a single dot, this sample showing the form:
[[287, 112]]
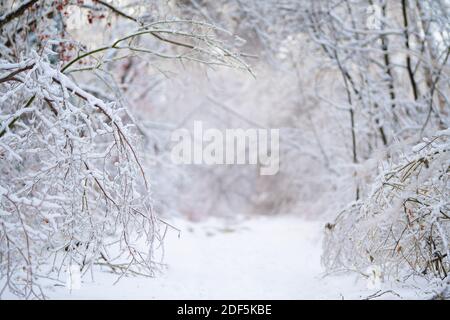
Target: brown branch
[[408, 56], [387, 63], [115, 10], [12, 75], [16, 13], [100, 186], [157, 36]]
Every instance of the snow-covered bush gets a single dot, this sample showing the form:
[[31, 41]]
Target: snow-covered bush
[[393, 60], [73, 186], [403, 226]]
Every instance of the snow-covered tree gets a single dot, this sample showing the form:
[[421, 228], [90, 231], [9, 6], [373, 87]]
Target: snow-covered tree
[[74, 190]]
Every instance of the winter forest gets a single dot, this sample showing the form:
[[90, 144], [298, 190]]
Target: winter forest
[[92, 205]]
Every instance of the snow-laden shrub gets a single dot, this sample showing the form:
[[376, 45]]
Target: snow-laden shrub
[[71, 184], [403, 226], [73, 188]]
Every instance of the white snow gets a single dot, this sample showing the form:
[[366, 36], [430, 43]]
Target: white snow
[[257, 258]]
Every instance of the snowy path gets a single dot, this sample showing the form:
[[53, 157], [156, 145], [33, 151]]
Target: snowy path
[[261, 258]]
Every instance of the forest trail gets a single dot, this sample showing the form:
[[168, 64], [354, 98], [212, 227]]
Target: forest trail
[[258, 258]]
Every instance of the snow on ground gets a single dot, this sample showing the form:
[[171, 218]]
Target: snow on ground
[[257, 258]]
